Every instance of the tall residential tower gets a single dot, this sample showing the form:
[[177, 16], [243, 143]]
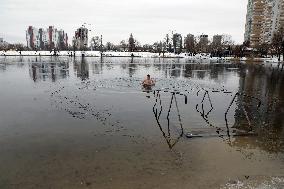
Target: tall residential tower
[[264, 17], [46, 39], [80, 40]]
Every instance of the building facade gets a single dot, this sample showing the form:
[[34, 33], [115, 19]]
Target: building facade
[[30, 37], [248, 26], [277, 15], [267, 25], [189, 43], [203, 43], [177, 43], [80, 40], [62, 39], [264, 18], [1, 42], [46, 39], [217, 40]]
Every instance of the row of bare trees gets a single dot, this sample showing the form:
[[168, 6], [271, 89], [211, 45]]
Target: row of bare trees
[[275, 48], [221, 45], [171, 44], [16, 46]]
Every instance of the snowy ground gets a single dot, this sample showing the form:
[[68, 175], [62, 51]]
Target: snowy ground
[[197, 57], [87, 53]]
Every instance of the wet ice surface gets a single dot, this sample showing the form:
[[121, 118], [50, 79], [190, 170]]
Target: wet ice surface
[[257, 183], [75, 123]]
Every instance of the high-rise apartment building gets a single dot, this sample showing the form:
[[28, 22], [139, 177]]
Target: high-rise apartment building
[[248, 26], [30, 37], [264, 17], [267, 25], [177, 43], [277, 15], [42, 39], [62, 39], [80, 40], [203, 43], [255, 21], [52, 39], [217, 40], [189, 43]]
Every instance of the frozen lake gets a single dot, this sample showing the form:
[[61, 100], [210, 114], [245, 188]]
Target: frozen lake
[[88, 123]]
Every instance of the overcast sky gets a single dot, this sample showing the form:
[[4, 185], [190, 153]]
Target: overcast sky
[[148, 20]]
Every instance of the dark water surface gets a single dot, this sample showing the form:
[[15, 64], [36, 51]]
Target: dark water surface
[[88, 123]]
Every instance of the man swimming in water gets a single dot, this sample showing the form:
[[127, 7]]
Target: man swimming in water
[[148, 81]]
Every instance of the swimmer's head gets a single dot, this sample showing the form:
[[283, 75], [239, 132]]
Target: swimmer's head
[[148, 76]]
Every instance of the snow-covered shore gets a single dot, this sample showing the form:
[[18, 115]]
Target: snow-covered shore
[[88, 54], [197, 57]]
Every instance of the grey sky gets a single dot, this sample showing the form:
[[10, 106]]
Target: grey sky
[[148, 20]]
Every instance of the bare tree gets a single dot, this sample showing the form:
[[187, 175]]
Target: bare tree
[[110, 46], [221, 45], [278, 42], [157, 46], [168, 43], [239, 50], [17, 46], [147, 48], [95, 43], [263, 49], [123, 45], [227, 43], [227, 40], [137, 45]]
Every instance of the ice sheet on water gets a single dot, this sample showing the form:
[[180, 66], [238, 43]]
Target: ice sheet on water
[[162, 84]]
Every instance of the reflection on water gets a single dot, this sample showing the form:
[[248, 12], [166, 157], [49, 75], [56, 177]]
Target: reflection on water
[[266, 84], [167, 130], [100, 107], [81, 69], [232, 99], [48, 71]]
